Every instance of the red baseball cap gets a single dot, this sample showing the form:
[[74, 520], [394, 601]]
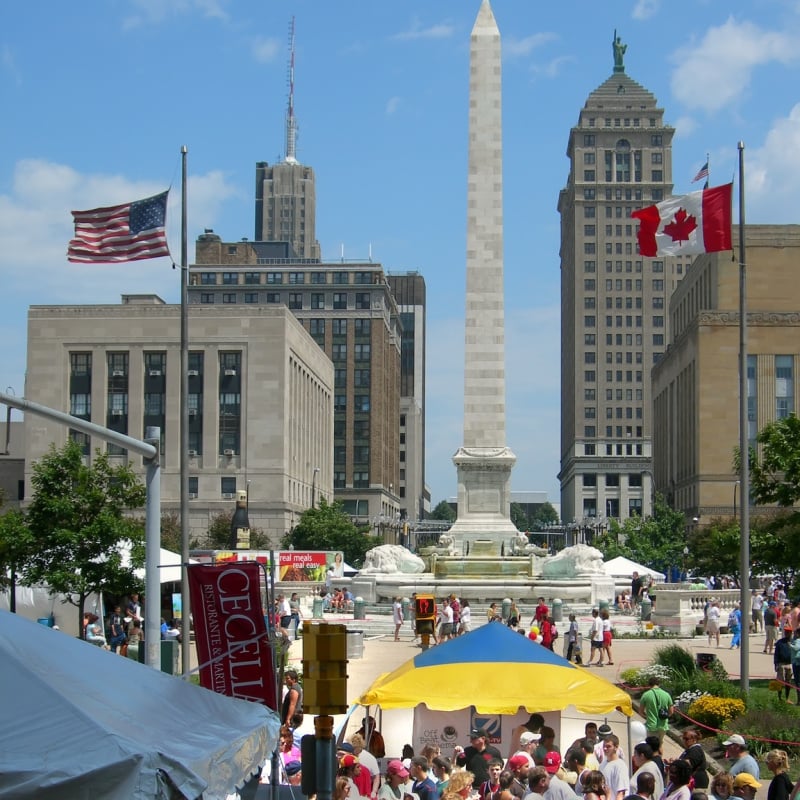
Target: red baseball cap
[[518, 760], [552, 762]]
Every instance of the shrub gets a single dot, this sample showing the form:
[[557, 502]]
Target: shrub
[[677, 658], [715, 711], [765, 729]]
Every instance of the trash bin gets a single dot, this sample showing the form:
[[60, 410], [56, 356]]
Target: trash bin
[[506, 608], [603, 605], [705, 660], [48, 621], [316, 608], [647, 608], [355, 644], [169, 656], [359, 608], [558, 610]]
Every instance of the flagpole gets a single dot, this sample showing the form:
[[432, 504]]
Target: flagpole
[[184, 435], [744, 477]]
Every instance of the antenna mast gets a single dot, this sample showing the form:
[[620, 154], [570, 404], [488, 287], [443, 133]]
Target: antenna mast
[[291, 122]]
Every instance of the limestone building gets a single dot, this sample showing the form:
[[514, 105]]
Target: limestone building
[[349, 310], [614, 323], [261, 396], [696, 383], [12, 462]]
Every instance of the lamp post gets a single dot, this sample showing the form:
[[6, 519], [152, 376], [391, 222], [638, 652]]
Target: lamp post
[[314, 487]]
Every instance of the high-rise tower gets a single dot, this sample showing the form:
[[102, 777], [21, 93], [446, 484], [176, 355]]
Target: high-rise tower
[[614, 320], [286, 202], [484, 462]]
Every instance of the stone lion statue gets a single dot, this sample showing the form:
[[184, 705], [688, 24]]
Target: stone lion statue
[[580, 559], [392, 559], [520, 546]]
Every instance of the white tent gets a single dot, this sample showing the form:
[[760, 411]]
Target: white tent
[[83, 722], [621, 567]]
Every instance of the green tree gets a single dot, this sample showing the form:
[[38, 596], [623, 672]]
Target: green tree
[[328, 527], [775, 474], [15, 543], [519, 518], [78, 526], [545, 514], [219, 533], [775, 548], [443, 511], [656, 542], [714, 548]]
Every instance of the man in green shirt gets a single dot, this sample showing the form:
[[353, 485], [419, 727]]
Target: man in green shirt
[[657, 706]]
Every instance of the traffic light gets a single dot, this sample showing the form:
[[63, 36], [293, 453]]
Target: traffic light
[[325, 668], [425, 614]]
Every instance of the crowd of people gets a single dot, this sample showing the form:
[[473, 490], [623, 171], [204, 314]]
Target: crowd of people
[[593, 767]]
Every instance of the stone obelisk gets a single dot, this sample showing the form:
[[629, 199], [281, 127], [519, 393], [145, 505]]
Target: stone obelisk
[[484, 462]]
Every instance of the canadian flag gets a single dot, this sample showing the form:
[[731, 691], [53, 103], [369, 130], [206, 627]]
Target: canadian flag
[[698, 222]]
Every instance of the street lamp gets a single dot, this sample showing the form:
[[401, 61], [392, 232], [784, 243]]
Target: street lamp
[[314, 488]]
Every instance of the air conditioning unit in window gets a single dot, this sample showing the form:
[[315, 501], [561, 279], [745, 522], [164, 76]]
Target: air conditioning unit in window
[[230, 371], [155, 373], [116, 412], [192, 373], [192, 412], [228, 453], [228, 495], [192, 453], [193, 495], [118, 373]]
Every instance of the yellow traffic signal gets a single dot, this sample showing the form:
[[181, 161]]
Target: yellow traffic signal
[[325, 668]]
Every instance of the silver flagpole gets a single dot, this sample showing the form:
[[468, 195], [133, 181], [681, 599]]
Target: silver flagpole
[[744, 477], [184, 437]]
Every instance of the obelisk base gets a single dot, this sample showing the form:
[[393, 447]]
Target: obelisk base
[[484, 526]]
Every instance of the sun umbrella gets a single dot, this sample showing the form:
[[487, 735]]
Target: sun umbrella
[[497, 671]]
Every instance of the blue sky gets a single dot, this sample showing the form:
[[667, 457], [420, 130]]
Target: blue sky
[[99, 96]]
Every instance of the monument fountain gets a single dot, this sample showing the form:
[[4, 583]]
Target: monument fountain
[[483, 556]]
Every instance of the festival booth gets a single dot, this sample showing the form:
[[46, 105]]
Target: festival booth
[[492, 678], [81, 721]]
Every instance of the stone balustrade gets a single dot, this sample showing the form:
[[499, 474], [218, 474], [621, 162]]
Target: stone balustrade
[[679, 608]]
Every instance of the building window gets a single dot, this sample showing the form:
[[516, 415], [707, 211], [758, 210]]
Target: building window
[[274, 277], [589, 376], [319, 277], [361, 480], [362, 300], [227, 485], [340, 402], [339, 352], [340, 300], [229, 297], [273, 297], [588, 175], [317, 300], [589, 481], [589, 357], [784, 386], [295, 301], [361, 352], [208, 278], [612, 479], [362, 277], [341, 278], [361, 378], [338, 480], [362, 327], [339, 327], [297, 277], [589, 321], [361, 402], [252, 278], [230, 278], [316, 327], [207, 298]]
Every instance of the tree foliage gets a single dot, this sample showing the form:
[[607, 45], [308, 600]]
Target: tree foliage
[[328, 527], [775, 475], [15, 543], [714, 548], [656, 542], [443, 511], [77, 526]]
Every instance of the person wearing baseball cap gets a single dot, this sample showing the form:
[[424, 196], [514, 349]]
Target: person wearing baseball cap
[[558, 789], [743, 762], [518, 766], [745, 786], [395, 785], [476, 757], [527, 741], [293, 772], [349, 769]]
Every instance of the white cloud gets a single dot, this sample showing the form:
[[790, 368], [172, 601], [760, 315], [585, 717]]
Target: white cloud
[[772, 173], [644, 9], [684, 127], [442, 30], [8, 62], [154, 12], [513, 47], [266, 49], [392, 104], [712, 73], [552, 69]]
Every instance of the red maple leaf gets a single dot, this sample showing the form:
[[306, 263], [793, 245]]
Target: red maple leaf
[[681, 227]]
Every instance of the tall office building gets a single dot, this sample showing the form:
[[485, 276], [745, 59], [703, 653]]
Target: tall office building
[[286, 200], [409, 293], [349, 310], [614, 322]]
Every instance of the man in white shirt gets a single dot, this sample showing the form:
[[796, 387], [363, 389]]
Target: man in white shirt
[[527, 741], [596, 636], [614, 769]]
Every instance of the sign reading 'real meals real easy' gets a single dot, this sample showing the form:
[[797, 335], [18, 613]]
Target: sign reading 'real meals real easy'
[[310, 566]]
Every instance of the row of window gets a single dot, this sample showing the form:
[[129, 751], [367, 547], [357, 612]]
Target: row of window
[[624, 176], [627, 449], [656, 139], [620, 412], [590, 376], [590, 394], [280, 278], [297, 301]]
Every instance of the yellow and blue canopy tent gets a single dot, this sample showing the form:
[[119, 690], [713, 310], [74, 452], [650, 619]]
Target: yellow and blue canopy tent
[[497, 671]]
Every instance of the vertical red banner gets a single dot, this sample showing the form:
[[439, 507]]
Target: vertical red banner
[[230, 633]]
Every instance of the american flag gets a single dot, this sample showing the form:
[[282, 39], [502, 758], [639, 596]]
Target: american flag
[[128, 232], [701, 173]]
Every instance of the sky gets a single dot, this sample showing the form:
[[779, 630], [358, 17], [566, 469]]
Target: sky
[[99, 96]]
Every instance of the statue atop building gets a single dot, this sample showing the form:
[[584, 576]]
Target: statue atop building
[[619, 53]]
